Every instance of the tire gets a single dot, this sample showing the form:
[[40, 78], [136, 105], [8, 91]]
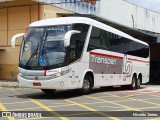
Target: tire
[[138, 83], [48, 91], [87, 85], [133, 84]]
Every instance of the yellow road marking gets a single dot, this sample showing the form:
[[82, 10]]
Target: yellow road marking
[[16, 102], [139, 100], [14, 90], [130, 108], [156, 95], [45, 107], [25, 109], [48, 109], [149, 107], [3, 108], [41, 107], [154, 119], [91, 109]]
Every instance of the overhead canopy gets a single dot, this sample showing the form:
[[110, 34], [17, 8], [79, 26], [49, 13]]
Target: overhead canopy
[[139, 34], [5, 0]]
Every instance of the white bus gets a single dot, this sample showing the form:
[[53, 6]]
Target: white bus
[[80, 53]]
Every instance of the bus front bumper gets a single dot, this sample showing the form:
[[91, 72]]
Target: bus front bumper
[[56, 83]]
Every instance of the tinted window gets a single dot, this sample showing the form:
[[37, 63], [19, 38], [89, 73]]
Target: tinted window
[[98, 39], [101, 39], [77, 41]]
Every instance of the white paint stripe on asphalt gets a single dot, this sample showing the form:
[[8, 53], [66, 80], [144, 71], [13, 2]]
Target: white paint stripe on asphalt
[[59, 103], [110, 107]]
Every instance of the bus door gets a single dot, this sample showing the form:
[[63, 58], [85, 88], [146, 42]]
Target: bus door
[[74, 55]]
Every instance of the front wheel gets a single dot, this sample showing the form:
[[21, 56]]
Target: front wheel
[[87, 85], [48, 91]]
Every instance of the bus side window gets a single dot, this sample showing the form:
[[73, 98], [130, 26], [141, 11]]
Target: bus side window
[[77, 41], [98, 39]]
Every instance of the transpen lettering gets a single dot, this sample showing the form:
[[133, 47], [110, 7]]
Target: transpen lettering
[[107, 61]]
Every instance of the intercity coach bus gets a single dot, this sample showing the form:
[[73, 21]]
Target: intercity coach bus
[[80, 53]]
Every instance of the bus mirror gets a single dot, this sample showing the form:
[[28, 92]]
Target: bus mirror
[[14, 38], [68, 35]]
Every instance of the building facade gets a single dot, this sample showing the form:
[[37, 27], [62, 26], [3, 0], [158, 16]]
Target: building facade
[[15, 16]]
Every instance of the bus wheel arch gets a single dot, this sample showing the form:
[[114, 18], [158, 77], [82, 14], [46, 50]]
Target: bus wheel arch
[[132, 86], [88, 83], [92, 77]]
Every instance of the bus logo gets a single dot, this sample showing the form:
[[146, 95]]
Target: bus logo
[[36, 78]]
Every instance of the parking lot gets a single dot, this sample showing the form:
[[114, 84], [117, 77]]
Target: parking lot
[[116, 103]]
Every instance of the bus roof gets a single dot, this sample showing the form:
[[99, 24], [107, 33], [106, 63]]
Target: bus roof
[[72, 20]]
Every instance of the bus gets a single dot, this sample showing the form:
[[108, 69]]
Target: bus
[[80, 53]]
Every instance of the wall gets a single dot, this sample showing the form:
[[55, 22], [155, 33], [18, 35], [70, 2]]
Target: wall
[[15, 19], [130, 15]]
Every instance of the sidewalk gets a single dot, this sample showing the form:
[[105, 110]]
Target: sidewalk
[[9, 83]]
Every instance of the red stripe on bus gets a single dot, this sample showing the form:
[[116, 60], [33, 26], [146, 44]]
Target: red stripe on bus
[[45, 72], [138, 60], [105, 55]]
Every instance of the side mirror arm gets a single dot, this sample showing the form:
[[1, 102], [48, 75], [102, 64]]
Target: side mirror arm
[[68, 35], [14, 38]]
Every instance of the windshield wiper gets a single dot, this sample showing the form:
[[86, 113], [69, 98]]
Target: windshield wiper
[[47, 60], [33, 54]]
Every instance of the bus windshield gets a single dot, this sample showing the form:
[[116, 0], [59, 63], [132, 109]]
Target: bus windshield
[[44, 46]]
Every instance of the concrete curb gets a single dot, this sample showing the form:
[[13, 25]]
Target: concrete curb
[[9, 84]]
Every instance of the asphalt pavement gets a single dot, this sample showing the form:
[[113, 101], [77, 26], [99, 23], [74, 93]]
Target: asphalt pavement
[[115, 104]]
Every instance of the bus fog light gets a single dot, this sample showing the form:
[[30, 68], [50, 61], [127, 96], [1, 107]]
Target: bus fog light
[[58, 75], [20, 74], [61, 83]]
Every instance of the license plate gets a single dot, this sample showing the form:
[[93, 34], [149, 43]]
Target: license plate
[[36, 84]]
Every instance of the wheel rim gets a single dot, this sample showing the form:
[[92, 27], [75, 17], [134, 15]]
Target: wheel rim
[[86, 84]]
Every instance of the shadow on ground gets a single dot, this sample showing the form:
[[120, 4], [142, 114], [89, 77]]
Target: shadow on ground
[[70, 93]]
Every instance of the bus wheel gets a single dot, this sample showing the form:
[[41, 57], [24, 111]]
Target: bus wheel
[[138, 83], [133, 84], [87, 85], [48, 91]]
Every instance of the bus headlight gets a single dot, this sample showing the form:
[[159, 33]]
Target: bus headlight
[[56, 75], [20, 74]]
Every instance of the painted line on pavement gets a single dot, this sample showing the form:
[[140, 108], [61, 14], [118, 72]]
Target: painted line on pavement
[[48, 109], [45, 107], [16, 102], [3, 108], [123, 106], [139, 100], [41, 107], [154, 119], [149, 107], [91, 109]]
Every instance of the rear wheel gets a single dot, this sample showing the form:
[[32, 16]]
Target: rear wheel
[[87, 85], [138, 83], [48, 91], [133, 84]]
